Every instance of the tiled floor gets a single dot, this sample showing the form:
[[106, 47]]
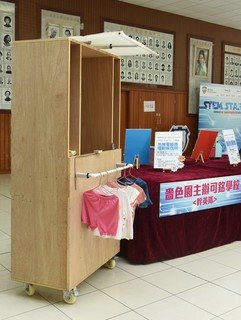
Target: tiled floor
[[203, 286]]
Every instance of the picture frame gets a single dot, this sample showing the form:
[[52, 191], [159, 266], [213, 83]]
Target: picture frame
[[147, 69], [53, 30], [57, 24], [199, 69], [231, 63], [7, 31]]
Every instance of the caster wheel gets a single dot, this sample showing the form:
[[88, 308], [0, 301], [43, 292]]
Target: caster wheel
[[110, 264], [69, 298], [30, 290]]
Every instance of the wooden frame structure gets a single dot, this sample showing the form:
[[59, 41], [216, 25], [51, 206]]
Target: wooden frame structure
[[66, 97]]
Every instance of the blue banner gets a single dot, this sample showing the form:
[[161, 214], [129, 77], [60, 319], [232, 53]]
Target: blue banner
[[194, 195], [220, 108]]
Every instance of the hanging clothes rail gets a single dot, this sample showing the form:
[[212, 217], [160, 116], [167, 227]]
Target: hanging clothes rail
[[87, 175]]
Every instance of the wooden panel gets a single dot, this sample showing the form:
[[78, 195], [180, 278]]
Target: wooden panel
[[5, 131], [169, 111], [116, 104], [96, 111], [75, 97], [124, 116], [86, 253], [39, 162]]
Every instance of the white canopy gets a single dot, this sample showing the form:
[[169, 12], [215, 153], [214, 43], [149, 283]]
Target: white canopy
[[116, 42]]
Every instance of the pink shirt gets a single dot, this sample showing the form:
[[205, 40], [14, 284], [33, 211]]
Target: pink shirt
[[100, 211]]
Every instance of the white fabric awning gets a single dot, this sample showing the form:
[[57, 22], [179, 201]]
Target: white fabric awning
[[116, 42]]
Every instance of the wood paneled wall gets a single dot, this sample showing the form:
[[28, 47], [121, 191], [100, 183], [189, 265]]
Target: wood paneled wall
[[94, 12], [5, 133], [168, 112]]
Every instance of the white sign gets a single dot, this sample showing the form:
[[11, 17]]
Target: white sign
[[231, 145], [149, 106], [168, 148]]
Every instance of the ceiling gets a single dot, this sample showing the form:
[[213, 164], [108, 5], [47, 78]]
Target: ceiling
[[222, 12]]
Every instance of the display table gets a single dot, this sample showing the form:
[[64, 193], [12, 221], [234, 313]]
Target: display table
[[158, 239]]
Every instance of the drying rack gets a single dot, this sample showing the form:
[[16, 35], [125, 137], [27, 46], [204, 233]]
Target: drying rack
[[120, 167]]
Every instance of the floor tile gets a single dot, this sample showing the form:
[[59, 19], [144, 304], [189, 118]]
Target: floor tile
[[231, 282], [4, 236], [173, 308], [5, 222], [20, 301], [93, 306], [5, 246], [5, 281], [232, 245], [104, 277], [2, 268], [212, 298], [45, 313], [136, 293], [174, 280], [5, 204], [237, 249], [141, 270], [207, 269], [128, 316], [183, 260], [5, 260], [234, 314], [212, 251], [229, 258], [4, 190]]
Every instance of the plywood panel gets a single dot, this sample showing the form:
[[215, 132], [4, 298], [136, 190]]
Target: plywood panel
[[116, 103], [75, 97], [97, 95], [39, 162], [86, 253]]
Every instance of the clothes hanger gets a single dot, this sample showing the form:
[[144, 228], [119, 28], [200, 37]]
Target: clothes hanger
[[130, 174]]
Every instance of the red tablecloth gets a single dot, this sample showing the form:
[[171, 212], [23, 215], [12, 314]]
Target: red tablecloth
[[158, 239]]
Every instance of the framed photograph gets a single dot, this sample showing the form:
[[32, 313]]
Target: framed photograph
[[6, 95], [52, 31], [7, 56], [7, 21], [67, 31], [7, 32], [56, 24], [6, 40], [148, 69], [201, 62], [232, 64], [200, 69]]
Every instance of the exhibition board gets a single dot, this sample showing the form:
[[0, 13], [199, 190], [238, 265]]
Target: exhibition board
[[159, 239]]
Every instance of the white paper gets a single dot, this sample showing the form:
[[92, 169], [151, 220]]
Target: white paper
[[231, 145], [149, 106], [168, 148]]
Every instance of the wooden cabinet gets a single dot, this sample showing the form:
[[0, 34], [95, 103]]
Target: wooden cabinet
[[66, 97], [170, 109]]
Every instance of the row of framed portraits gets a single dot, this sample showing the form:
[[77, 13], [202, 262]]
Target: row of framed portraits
[[232, 65], [55, 24], [7, 36], [148, 69]]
